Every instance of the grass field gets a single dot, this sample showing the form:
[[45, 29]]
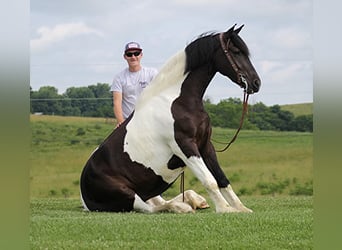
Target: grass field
[[299, 109], [259, 162], [277, 223], [271, 171]]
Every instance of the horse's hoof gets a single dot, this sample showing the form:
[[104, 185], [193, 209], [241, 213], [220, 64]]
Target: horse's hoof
[[227, 210]]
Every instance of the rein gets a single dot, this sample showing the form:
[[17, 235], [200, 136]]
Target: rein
[[244, 111]]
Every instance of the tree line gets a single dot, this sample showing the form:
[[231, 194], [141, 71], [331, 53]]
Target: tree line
[[96, 101]]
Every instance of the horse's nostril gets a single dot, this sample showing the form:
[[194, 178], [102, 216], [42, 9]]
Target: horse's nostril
[[256, 83]]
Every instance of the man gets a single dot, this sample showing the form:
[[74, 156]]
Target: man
[[129, 83]]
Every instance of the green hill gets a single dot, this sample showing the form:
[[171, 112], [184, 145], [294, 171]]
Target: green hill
[[299, 109]]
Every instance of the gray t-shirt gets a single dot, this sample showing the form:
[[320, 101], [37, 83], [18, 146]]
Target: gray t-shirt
[[131, 84]]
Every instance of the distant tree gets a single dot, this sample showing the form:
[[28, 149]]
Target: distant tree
[[303, 123], [101, 90], [261, 117], [82, 98], [46, 100], [104, 104], [96, 101], [282, 119], [227, 113]]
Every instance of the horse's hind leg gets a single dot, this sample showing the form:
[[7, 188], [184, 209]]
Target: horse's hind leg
[[193, 199], [141, 206], [156, 201], [190, 197], [159, 206]]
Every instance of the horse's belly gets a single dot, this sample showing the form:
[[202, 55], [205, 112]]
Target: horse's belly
[[154, 157]]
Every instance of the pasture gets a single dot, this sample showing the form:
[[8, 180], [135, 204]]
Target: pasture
[[299, 109], [270, 171], [277, 223]]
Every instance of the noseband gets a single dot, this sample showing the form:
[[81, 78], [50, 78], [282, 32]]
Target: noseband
[[240, 76]]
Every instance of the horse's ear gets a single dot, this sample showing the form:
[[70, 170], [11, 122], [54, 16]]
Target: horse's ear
[[230, 31], [239, 29]]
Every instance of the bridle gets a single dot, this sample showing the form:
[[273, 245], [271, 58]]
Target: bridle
[[241, 79]]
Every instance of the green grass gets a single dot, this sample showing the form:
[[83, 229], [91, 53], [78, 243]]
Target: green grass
[[299, 109], [271, 171], [277, 223], [258, 163]]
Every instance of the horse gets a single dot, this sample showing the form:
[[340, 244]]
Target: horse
[[168, 131]]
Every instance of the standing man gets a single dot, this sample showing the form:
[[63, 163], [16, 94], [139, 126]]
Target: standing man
[[129, 83]]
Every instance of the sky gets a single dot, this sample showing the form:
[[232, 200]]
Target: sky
[[80, 43]]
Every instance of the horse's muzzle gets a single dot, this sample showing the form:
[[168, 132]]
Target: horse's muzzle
[[254, 86], [251, 87]]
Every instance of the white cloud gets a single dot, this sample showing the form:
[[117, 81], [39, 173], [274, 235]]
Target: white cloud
[[278, 33], [292, 38], [199, 2], [289, 72], [48, 36]]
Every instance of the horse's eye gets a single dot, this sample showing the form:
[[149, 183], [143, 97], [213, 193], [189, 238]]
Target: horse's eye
[[235, 50]]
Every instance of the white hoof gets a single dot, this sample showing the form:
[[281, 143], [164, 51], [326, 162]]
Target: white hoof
[[179, 207], [244, 209], [227, 210]]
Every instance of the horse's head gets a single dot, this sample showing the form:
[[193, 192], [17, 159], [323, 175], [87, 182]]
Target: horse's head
[[232, 60]]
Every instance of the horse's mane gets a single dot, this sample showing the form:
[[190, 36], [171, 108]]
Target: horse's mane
[[171, 73], [201, 50]]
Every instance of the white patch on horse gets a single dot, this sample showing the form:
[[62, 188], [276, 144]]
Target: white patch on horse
[[233, 200], [190, 197], [150, 132], [200, 170], [85, 208]]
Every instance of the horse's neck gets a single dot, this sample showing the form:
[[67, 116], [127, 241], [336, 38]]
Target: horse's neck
[[171, 81], [197, 82]]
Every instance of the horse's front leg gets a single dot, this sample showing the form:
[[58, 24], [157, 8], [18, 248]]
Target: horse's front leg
[[210, 159], [190, 155], [233, 199], [199, 169]]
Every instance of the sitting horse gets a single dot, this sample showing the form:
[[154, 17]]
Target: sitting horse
[[168, 131]]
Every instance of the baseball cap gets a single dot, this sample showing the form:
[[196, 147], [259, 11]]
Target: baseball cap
[[132, 46]]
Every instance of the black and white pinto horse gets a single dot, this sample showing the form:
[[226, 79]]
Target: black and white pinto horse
[[169, 130]]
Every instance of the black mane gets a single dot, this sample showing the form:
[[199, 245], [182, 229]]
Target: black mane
[[202, 49]]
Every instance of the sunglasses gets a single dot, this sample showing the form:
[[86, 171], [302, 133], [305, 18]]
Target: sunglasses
[[130, 54]]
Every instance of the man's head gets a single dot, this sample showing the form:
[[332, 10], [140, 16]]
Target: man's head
[[133, 54]]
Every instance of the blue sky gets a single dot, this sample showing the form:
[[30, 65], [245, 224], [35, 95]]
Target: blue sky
[[80, 43]]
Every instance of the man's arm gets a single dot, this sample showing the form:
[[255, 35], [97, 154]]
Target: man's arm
[[117, 101]]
